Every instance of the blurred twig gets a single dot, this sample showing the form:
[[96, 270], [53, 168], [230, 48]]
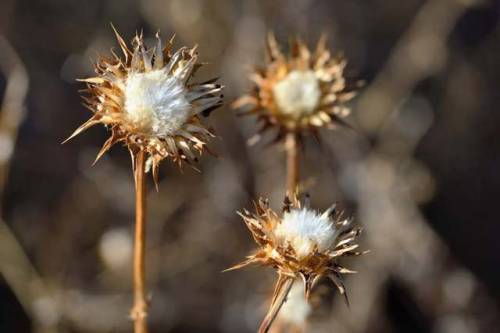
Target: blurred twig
[[420, 52], [396, 231], [12, 107], [292, 163], [15, 266]]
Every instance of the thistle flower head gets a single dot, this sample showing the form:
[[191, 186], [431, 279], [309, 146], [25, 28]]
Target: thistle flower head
[[298, 93], [302, 243], [145, 98]]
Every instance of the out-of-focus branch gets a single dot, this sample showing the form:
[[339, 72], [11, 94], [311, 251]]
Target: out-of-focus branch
[[420, 52], [12, 106], [28, 286], [15, 265], [401, 241], [292, 163]]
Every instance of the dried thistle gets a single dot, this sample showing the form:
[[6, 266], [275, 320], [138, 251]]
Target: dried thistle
[[298, 93], [302, 243], [147, 101]]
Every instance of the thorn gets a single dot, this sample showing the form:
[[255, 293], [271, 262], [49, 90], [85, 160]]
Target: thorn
[[89, 123], [331, 211]]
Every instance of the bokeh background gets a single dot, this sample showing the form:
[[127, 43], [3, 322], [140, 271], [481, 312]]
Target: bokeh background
[[421, 172]]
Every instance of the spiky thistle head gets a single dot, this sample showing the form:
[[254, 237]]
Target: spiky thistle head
[[145, 98], [299, 93], [302, 243]]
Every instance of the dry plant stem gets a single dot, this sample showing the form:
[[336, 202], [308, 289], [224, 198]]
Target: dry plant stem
[[140, 309], [284, 283], [292, 162], [283, 286]]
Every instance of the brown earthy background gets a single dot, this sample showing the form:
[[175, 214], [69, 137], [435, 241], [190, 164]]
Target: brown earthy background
[[421, 174]]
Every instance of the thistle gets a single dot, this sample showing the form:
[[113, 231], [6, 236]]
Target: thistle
[[298, 93], [300, 244], [146, 100]]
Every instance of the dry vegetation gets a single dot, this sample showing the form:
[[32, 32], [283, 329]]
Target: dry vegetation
[[419, 170]]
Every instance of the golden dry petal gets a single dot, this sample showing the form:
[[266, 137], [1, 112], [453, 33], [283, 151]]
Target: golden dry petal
[[89, 123], [245, 263], [337, 280], [107, 145], [122, 43]]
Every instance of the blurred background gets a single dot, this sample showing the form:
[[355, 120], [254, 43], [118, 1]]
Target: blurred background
[[421, 173]]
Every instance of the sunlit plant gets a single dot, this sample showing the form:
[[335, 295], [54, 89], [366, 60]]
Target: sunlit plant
[[147, 100], [297, 94]]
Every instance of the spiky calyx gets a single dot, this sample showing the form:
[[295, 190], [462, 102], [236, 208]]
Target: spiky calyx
[[147, 101], [298, 93], [302, 243]]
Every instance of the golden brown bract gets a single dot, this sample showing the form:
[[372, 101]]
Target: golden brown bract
[[278, 253], [324, 106], [170, 74]]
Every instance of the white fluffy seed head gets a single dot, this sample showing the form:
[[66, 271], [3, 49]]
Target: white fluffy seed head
[[298, 94], [156, 102], [304, 230]]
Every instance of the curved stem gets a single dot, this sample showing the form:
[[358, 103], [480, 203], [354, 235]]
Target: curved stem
[[140, 309], [283, 286], [292, 162]]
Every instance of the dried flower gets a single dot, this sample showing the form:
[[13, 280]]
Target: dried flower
[[302, 243], [299, 93], [147, 101]]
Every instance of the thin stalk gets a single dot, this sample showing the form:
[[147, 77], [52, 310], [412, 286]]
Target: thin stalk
[[281, 291], [292, 162], [284, 283], [140, 309]]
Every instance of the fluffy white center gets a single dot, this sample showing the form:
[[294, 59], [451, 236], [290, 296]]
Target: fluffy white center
[[298, 93], [304, 230], [156, 103]]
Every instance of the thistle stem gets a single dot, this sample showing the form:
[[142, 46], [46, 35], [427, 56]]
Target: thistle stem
[[140, 308], [292, 162], [284, 283], [281, 292]]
